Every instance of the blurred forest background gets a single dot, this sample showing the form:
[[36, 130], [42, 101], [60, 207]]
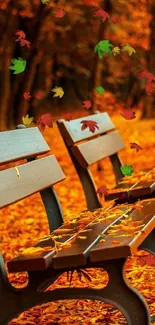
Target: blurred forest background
[[61, 53]]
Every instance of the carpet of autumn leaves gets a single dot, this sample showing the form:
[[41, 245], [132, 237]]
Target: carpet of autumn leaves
[[23, 223]]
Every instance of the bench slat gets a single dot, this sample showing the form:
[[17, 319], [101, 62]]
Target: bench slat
[[43, 259], [127, 245], [90, 152], [76, 254], [22, 143], [72, 133], [34, 177]]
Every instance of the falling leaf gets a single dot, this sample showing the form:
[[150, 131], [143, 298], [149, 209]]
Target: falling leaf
[[128, 48], [102, 191], [150, 88], [27, 95], [27, 120], [45, 1], [126, 170], [89, 124], [103, 47], [58, 92], [128, 114], [136, 146], [59, 13], [116, 50], [45, 120], [87, 104], [18, 66], [21, 35], [146, 74], [114, 19], [99, 89], [101, 13], [24, 42]]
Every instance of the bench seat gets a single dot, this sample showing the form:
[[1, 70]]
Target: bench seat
[[121, 231]]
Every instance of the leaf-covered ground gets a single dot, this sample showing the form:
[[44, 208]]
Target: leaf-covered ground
[[22, 224]]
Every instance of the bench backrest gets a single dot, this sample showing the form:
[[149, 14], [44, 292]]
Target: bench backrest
[[105, 142], [35, 175]]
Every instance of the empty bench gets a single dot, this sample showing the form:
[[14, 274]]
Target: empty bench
[[93, 239], [104, 142]]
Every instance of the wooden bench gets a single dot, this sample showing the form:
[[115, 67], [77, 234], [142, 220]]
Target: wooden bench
[[80, 247], [104, 142]]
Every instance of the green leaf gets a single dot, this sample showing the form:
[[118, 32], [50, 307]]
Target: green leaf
[[126, 170], [100, 90], [103, 46]]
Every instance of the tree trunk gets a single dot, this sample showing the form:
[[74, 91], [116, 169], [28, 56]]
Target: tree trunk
[[149, 100], [98, 63]]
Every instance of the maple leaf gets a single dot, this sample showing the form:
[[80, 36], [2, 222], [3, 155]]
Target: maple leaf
[[101, 13], [45, 1], [18, 66], [60, 13], [128, 48], [102, 191], [58, 92], [149, 260], [27, 95], [67, 117], [150, 88], [99, 89], [136, 146], [27, 120], [103, 46], [21, 35], [45, 119], [128, 114], [24, 42], [89, 124], [116, 50], [87, 104], [114, 19], [126, 170], [146, 74]]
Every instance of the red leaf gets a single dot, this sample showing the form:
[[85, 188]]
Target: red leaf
[[149, 260], [60, 13], [150, 87], [128, 114], [102, 191], [45, 119], [114, 19], [27, 95], [67, 117], [101, 13], [87, 104], [24, 42], [146, 74], [136, 146], [89, 124], [21, 35]]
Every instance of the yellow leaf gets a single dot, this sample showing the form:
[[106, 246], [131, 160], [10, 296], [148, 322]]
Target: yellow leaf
[[27, 120], [115, 242], [129, 49], [82, 237], [32, 250], [58, 92], [116, 50]]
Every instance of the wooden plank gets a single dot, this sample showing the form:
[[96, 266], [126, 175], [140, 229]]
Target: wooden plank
[[72, 133], [104, 146], [142, 189], [20, 144], [19, 182], [127, 245], [43, 259], [76, 254]]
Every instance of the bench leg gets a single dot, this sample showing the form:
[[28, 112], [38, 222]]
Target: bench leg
[[149, 243], [118, 293]]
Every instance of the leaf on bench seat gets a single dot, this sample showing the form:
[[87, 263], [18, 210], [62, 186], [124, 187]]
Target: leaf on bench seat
[[34, 250]]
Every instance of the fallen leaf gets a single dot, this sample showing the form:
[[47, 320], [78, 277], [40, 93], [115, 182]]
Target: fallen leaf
[[89, 124]]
